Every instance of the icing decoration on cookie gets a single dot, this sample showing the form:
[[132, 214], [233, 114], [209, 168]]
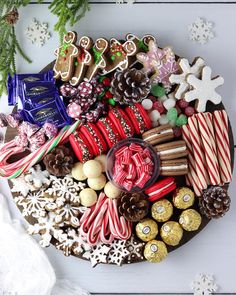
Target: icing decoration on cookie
[[159, 61], [118, 55], [186, 69], [66, 55], [204, 89], [83, 60], [37, 178], [21, 186], [118, 252], [97, 254], [99, 61], [135, 248]]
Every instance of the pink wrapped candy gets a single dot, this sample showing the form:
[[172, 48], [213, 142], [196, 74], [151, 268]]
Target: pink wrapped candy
[[38, 138], [27, 128], [13, 120], [50, 130]]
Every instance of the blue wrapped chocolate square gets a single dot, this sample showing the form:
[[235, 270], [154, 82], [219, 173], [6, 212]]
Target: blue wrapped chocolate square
[[35, 101]]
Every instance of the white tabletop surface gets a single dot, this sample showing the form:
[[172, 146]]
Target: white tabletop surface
[[213, 250]]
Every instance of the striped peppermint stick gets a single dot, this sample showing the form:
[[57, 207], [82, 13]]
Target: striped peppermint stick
[[220, 121], [208, 148]]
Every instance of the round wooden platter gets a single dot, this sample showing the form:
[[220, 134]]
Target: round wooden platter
[[10, 134]]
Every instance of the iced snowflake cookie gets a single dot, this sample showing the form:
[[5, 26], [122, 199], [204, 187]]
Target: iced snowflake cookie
[[36, 178]]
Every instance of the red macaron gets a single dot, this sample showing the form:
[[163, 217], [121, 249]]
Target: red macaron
[[161, 188], [139, 118], [122, 122], [81, 147], [108, 131], [94, 137]]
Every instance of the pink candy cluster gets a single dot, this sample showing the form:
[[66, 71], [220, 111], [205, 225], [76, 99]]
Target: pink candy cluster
[[133, 166]]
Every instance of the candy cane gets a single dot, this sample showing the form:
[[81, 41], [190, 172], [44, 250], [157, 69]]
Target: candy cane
[[209, 151], [14, 170]]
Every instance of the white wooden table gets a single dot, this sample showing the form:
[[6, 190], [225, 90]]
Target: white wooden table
[[213, 250]]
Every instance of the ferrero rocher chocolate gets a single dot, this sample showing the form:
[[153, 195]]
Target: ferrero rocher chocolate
[[147, 229], [155, 251], [171, 233], [183, 198], [162, 210], [190, 220]]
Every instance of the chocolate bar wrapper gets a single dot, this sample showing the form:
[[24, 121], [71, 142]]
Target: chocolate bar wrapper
[[36, 101]]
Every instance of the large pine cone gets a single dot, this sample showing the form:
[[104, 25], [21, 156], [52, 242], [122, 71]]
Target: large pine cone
[[133, 207], [59, 162], [214, 202], [130, 86]]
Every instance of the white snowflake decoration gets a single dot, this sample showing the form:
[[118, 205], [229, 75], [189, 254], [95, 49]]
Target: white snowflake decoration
[[37, 178], [97, 254], [118, 252], [21, 186], [203, 285], [201, 31], [37, 33]]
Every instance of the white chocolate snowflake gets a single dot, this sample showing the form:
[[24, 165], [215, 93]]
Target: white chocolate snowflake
[[186, 69], [37, 178], [201, 31], [118, 252], [203, 89], [97, 254], [37, 33], [135, 248], [204, 285]]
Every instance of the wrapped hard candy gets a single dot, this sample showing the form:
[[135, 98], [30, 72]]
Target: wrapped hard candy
[[27, 128], [74, 110], [68, 91], [21, 140], [38, 138], [13, 119], [50, 130]]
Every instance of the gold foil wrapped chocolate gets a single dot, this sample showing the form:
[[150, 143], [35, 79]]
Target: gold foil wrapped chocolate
[[190, 220], [155, 251], [171, 233], [183, 198], [162, 210], [146, 229]]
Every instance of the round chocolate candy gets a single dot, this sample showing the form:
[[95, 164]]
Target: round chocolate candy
[[171, 233], [146, 229], [162, 210], [183, 198], [190, 220], [155, 251]]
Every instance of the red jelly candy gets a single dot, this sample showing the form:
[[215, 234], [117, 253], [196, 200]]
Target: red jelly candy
[[177, 131], [189, 111], [158, 105], [182, 103]]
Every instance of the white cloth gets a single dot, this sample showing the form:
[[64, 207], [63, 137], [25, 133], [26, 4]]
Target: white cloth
[[24, 267]]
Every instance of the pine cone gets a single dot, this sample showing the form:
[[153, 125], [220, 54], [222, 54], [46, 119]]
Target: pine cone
[[12, 17], [130, 86], [59, 162], [133, 207], [214, 202]]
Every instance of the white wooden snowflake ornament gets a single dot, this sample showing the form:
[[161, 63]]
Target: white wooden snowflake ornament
[[203, 285], [37, 33], [201, 31], [186, 69], [203, 89]]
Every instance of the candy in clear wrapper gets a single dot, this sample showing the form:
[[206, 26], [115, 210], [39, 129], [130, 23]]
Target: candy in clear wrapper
[[183, 198], [171, 233], [190, 220], [38, 138], [146, 230], [162, 210], [27, 128], [155, 251], [13, 119], [50, 130], [21, 140]]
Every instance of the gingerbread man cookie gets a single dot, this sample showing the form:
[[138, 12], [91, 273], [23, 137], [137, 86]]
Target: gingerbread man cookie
[[66, 55], [99, 60], [84, 59], [118, 55]]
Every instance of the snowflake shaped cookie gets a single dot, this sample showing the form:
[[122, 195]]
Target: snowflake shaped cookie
[[161, 62], [186, 69], [66, 188], [20, 186], [135, 248], [37, 33], [203, 89], [204, 285], [118, 252], [201, 31], [97, 254], [36, 178]]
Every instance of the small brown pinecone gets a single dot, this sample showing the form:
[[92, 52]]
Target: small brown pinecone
[[12, 17], [130, 86], [214, 202], [133, 207], [59, 162]]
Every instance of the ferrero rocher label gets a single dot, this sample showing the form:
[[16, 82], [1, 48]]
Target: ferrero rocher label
[[162, 210], [190, 220], [183, 198], [155, 251], [147, 229], [171, 233]]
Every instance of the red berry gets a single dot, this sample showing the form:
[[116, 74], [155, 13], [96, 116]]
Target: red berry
[[189, 111], [182, 103], [158, 105], [108, 95], [106, 82], [177, 131]]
